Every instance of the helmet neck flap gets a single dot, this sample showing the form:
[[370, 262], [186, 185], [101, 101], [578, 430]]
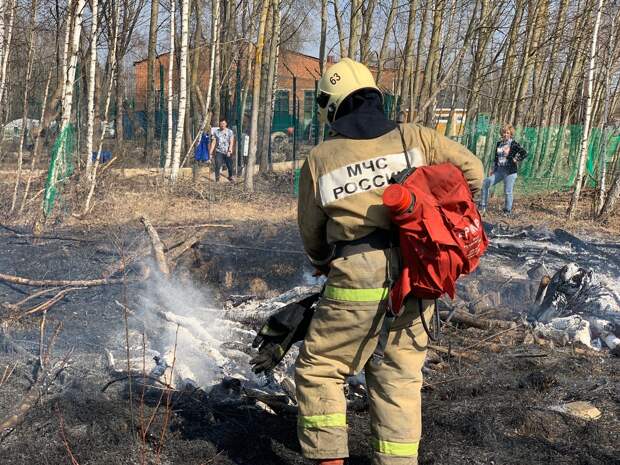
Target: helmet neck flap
[[361, 116]]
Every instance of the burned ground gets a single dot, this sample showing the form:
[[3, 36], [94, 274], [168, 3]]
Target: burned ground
[[487, 401]]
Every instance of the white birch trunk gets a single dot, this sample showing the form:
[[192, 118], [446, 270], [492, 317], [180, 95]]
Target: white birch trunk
[[67, 92], [91, 89], [3, 5], [113, 77], [70, 77], [611, 199], [66, 50], [215, 50], [176, 156], [273, 72], [170, 140], [2, 13], [586, 125], [602, 186], [6, 49]]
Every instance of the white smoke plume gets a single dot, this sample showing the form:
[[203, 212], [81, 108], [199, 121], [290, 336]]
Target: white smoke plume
[[185, 326]]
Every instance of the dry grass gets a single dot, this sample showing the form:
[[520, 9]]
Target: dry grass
[[120, 201], [193, 203], [549, 209]]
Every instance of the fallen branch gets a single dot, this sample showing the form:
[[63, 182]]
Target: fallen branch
[[466, 319], [137, 376], [187, 244], [45, 306], [158, 246], [454, 353], [17, 233], [204, 225], [8, 371], [18, 304], [145, 249], [64, 282]]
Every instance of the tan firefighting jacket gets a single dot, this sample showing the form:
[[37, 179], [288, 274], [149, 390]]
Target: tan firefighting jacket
[[342, 181]]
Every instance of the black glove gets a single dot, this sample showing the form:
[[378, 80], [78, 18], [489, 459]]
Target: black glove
[[282, 329]]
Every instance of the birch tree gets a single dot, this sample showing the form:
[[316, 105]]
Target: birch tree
[[408, 53], [385, 41], [355, 26], [3, 4], [415, 86], [340, 29], [433, 57], [611, 199], [71, 63], [323, 53], [113, 60], [5, 51], [586, 125], [602, 182], [368, 10], [150, 79], [176, 155], [71, 51], [271, 82], [170, 84], [260, 43], [213, 87], [91, 87]]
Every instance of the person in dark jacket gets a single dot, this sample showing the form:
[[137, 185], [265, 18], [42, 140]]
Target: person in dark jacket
[[508, 155]]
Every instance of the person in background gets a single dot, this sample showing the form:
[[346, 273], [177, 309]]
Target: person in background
[[508, 155], [222, 143]]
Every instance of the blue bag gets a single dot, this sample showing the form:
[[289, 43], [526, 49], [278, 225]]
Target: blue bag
[[104, 157], [201, 153]]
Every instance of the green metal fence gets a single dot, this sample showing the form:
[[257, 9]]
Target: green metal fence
[[553, 152]]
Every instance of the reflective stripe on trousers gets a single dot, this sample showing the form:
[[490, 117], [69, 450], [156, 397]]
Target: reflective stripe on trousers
[[399, 449], [356, 295], [330, 420]]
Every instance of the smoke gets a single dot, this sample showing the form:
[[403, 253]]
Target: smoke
[[184, 324], [309, 280]]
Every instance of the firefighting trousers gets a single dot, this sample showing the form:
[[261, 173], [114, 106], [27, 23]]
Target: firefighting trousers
[[340, 342]]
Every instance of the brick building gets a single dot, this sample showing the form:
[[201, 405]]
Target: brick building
[[304, 68]]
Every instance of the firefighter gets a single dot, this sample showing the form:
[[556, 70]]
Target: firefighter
[[345, 231]]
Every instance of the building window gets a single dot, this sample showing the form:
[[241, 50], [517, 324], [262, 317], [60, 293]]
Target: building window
[[281, 105], [309, 113], [281, 115]]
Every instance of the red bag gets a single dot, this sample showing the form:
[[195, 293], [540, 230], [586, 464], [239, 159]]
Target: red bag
[[441, 237]]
